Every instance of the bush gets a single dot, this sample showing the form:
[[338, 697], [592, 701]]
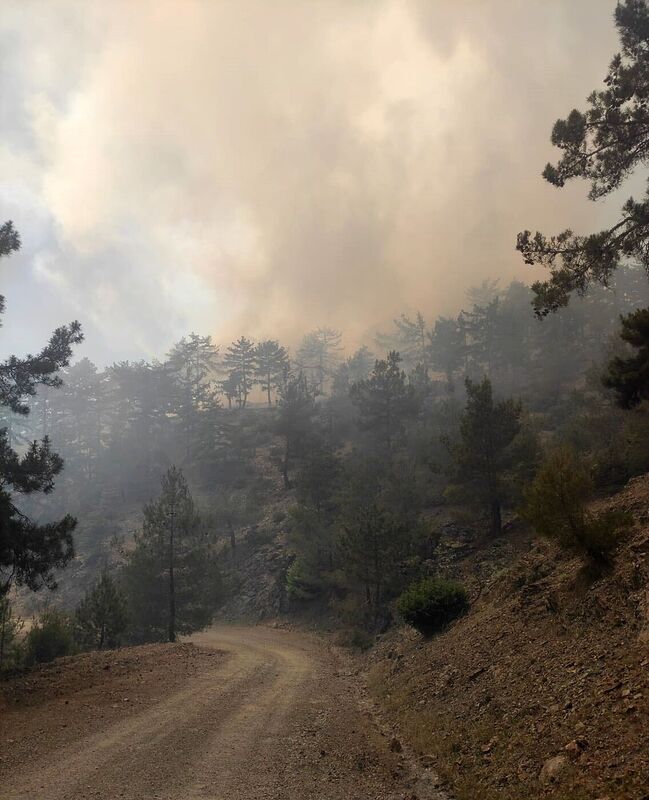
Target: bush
[[601, 534], [556, 505], [301, 583], [51, 637], [429, 605]]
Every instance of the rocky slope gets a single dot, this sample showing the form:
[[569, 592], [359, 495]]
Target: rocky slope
[[255, 572], [542, 690]]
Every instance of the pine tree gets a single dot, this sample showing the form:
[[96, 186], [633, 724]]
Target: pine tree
[[78, 408], [484, 454], [193, 361], [353, 369], [448, 346], [271, 364], [360, 364], [294, 423], [480, 327], [240, 359], [230, 387], [101, 618], [629, 376], [171, 578], [30, 552], [384, 401], [372, 543], [312, 529], [142, 411], [411, 339], [603, 146], [319, 355]]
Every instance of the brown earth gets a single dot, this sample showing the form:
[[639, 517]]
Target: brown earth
[[542, 690], [243, 713]]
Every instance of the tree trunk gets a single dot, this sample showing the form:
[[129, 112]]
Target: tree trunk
[[172, 587], [233, 540]]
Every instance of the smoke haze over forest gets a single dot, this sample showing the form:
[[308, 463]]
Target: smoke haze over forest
[[263, 168]]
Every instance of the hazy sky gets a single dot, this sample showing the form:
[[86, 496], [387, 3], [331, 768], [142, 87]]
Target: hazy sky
[[264, 167]]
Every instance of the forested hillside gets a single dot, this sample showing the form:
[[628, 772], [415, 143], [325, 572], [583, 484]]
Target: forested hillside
[[370, 444]]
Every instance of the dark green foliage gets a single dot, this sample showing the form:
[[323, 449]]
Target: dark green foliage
[[372, 543], [629, 376], [484, 457], [171, 579], [312, 520], [603, 146], [50, 637], [101, 618], [302, 582], [9, 239], [432, 603], [556, 505], [30, 552], [294, 423], [385, 400]]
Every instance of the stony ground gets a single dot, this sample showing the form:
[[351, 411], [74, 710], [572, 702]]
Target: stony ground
[[244, 713], [543, 689]]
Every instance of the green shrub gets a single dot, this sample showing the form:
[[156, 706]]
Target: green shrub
[[51, 637], [301, 583], [279, 516], [430, 604], [556, 504]]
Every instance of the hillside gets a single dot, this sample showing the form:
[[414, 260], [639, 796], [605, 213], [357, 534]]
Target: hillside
[[543, 688]]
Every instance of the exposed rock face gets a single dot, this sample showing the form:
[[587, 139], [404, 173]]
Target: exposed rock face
[[256, 576]]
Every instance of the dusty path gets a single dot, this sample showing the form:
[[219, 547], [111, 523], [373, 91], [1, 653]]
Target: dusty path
[[273, 719]]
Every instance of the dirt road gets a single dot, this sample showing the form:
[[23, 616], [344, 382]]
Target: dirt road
[[275, 717]]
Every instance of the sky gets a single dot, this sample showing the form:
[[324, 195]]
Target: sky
[[265, 167]]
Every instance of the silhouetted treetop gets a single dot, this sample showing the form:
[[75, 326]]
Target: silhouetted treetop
[[602, 145]]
